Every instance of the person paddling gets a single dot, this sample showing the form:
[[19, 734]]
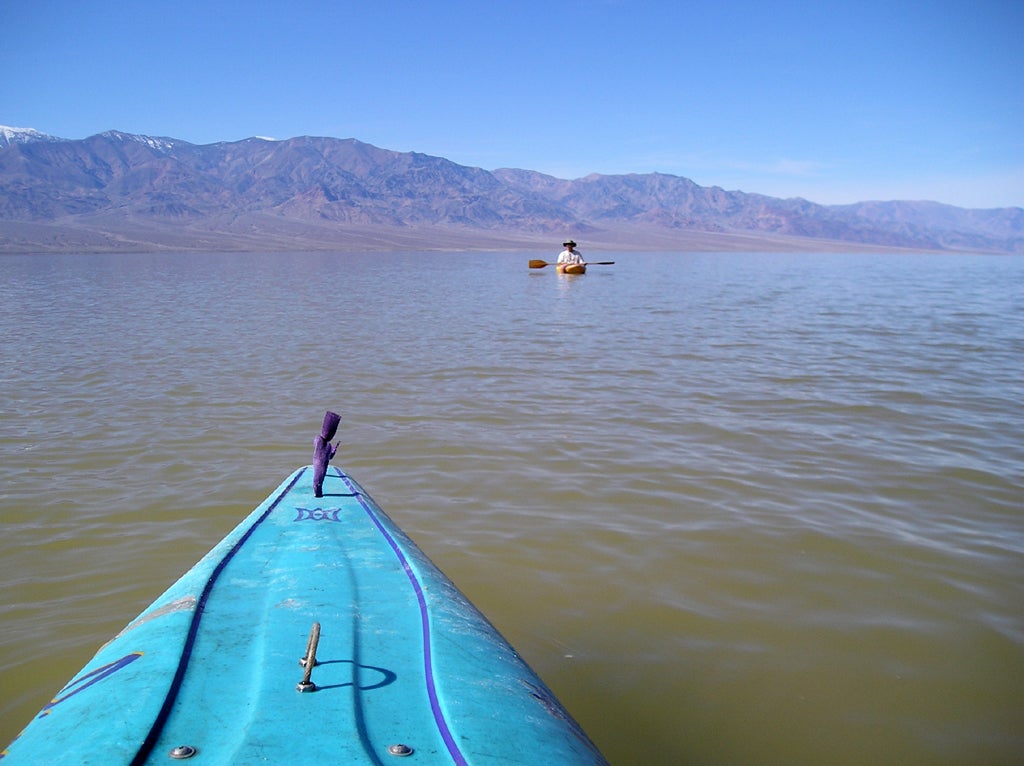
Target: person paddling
[[570, 256]]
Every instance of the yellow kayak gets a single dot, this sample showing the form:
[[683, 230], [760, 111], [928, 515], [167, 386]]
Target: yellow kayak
[[572, 268]]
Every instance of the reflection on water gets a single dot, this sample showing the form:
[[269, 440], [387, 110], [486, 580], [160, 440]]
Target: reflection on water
[[733, 508]]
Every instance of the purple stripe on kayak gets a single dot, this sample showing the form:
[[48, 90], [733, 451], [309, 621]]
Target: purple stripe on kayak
[[186, 653], [428, 664]]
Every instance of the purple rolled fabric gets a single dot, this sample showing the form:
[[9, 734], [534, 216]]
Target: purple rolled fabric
[[330, 426], [323, 451]]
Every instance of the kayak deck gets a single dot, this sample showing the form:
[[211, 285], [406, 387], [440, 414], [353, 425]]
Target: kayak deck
[[406, 665]]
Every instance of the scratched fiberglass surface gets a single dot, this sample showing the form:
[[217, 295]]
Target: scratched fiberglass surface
[[404, 661]]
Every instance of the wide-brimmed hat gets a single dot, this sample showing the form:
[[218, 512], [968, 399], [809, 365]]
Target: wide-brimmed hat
[[568, 242]]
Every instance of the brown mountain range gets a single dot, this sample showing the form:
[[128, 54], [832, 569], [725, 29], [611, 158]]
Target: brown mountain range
[[121, 192]]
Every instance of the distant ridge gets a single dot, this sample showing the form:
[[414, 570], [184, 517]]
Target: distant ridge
[[124, 192]]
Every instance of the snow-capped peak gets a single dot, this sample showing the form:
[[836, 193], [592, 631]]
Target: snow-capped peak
[[10, 136], [158, 144]]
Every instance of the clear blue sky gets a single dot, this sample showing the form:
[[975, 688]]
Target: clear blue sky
[[832, 101]]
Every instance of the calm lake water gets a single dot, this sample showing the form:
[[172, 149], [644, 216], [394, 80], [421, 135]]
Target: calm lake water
[[734, 508]]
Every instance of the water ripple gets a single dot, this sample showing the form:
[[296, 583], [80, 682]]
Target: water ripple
[[734, 508]]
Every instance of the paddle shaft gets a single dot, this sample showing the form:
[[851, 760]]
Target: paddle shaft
[[542, 264]]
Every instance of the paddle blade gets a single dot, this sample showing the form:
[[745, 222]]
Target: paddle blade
[[538, 264]]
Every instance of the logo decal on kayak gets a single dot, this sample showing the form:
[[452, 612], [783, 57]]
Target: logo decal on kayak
[[79, 685], [83, 683], [318, 514]]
